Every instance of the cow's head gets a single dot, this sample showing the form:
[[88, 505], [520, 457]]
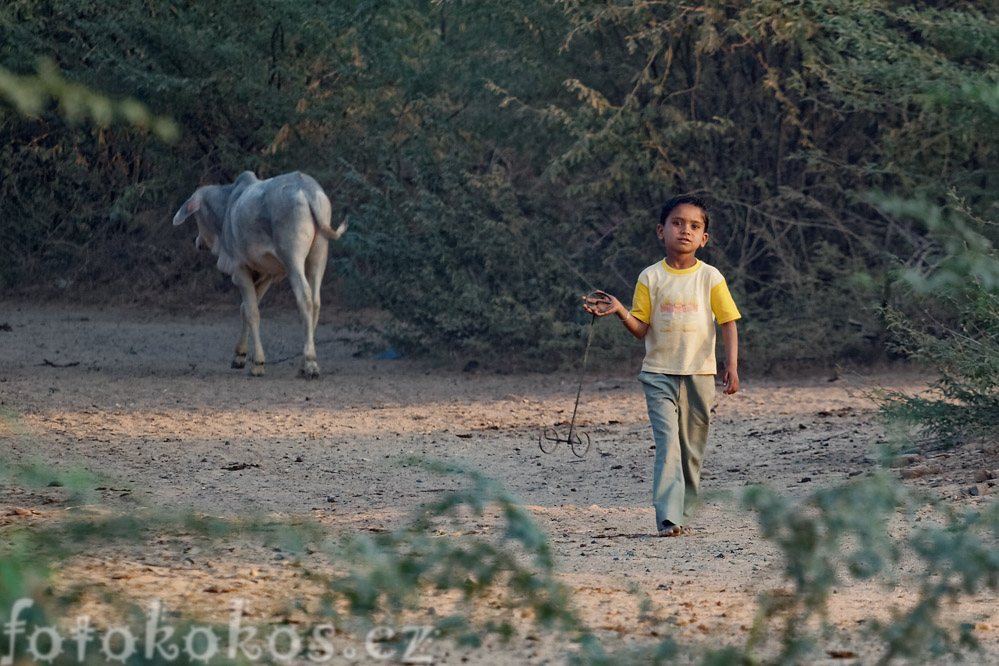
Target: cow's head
[[207, 206]]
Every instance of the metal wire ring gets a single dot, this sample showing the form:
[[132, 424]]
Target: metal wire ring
[[576, 444], [548, 435]]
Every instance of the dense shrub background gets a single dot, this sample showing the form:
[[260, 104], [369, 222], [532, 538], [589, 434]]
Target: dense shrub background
[[500, 159]]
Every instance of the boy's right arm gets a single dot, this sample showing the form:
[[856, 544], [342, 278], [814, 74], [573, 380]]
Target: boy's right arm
[[601, 303], [730, 336]]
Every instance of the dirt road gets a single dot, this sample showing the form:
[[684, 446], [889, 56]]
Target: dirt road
[[149, 403]]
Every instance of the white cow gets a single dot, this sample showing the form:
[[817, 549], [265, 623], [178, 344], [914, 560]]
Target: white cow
[[261, 231]]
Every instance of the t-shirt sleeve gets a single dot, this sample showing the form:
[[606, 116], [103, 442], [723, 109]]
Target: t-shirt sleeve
[[722, 304], [641, 303]]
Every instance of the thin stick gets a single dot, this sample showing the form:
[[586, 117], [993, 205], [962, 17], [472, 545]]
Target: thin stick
[[582, 370]]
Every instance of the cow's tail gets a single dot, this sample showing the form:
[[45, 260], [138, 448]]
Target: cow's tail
[[332, 233], [319, 204]]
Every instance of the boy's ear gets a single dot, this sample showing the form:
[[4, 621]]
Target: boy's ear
[[704, 240]]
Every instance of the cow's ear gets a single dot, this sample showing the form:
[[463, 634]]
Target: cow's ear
[[190, 207]]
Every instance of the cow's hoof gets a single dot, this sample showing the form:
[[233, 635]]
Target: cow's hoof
[[239, 362], [309, 370], [257, 370]]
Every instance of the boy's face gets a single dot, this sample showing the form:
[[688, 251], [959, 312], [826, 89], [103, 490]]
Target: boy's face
[[683, 232]]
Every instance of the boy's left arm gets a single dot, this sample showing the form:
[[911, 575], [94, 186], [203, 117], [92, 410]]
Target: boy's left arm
[[730, 337]]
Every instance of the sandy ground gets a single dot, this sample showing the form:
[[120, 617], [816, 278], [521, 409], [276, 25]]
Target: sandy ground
[[149, 403]]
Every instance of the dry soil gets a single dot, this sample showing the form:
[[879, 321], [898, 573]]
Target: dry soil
[[148, 402]]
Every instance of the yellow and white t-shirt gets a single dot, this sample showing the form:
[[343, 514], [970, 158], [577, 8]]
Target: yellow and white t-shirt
[[681, 307]]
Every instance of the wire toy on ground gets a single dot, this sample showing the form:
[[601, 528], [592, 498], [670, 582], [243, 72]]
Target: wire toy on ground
[[578, 441]]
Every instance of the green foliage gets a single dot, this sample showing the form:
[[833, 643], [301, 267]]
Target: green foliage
[[950, 318], [785, 115], [462, 280], [811, 537], [29, 94], [499, 160], [864, 531], [961, 344], [387, 105], [952, 326], [456, 236]]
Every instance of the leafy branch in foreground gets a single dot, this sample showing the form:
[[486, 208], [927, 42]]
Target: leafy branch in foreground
[[31, 94], [854, 533], [370, 578], [391, 571], [861, 532]]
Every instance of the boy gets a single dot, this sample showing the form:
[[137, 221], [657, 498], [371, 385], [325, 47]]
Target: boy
[[675, 305]]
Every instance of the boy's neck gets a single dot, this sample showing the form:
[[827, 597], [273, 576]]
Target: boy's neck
[[681, 262]]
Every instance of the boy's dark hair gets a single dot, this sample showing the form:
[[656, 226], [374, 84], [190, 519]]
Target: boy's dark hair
[[684, 199]]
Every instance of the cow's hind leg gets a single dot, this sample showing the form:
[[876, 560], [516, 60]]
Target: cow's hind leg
[[303, 297], [315, 266], [239, 355], [252, 291]]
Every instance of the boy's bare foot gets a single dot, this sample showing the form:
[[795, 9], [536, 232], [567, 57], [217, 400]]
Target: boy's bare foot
[[670, 529]]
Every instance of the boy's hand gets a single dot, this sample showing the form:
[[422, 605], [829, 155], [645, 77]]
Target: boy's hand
[[731, 381], [601, 303]]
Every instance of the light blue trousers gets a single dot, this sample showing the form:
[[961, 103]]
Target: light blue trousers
[[679, 411]]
